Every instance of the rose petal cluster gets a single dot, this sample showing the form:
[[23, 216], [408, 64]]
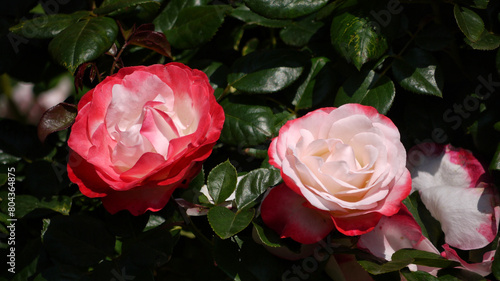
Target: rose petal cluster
[[457, 191], [401, 231], [347, 163], [141, 133]]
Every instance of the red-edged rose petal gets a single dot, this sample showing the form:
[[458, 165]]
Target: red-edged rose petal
[[285, 212]]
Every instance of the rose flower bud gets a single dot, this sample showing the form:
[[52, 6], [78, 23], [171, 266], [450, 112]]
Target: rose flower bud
[[141, 133], [347, 163]]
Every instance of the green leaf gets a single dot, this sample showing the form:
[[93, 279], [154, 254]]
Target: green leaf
[[198, 181], [487, 42], [246, 124], [418, 275], [457, 274], [196, 25], [47, 26], [154, 221], [6, 158], [83, 41], [253, 184], [328, 9], [287, 9], [298, 33], [225, 223], [480, 4], [116, 7], [27, 203], [167, 18], [244, 14], [317, 85], [266, 71], [356, 39], [412, 203], [431, 228], [367, 88], [495, 162], [281, 118], [377, 269], [267, 236], [77, 240], [217, 75], [423, 258], [56, 118], [469, 22], [221, 182], [419, 72]]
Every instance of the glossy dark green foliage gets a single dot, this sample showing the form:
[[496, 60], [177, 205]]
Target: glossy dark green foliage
[[431, 66], [83, 41]]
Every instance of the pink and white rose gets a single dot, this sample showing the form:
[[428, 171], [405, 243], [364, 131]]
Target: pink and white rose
[[347, 163], [401, 231], [394, 233], [141, 133], [457, 191]]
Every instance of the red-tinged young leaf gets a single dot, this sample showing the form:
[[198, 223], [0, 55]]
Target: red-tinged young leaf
[[56, 118], [94, 72], [80, 73], [145, 36], [144, 27]]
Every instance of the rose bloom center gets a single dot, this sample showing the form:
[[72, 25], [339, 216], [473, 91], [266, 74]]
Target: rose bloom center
[[344, 161], [144, 117]]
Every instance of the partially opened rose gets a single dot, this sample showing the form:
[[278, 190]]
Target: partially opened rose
[[142, 133], [348, 162]]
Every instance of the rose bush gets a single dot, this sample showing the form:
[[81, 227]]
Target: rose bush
[[142, 133], [346, 162], [431, 67]]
